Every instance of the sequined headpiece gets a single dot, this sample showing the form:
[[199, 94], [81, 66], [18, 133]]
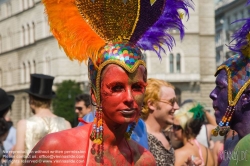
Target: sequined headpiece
[[238, 73], [106, 31]]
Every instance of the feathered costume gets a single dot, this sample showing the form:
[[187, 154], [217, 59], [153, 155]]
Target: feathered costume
[[113, 32], [93, 28], [238, 73]]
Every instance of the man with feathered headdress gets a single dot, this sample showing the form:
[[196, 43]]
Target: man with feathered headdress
[[231, 96]]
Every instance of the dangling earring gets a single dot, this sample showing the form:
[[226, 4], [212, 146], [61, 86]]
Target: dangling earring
[[223, 126], [97, 134], [233, 135]]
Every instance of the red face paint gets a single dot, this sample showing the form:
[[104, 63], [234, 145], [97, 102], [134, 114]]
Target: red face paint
[[122, 93]]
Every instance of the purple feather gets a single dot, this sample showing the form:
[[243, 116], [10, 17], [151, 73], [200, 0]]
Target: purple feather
[[158, 34], [240, 37]]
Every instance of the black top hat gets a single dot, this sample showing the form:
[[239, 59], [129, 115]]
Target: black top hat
[[5, 100], [41, 86]]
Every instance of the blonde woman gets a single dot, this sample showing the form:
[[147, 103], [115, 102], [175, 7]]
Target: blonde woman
[[187, 124]]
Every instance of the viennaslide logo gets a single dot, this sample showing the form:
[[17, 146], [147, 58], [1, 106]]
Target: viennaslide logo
[[236, 155]]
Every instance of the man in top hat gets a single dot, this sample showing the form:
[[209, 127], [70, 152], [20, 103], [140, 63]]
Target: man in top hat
[[43, 122]]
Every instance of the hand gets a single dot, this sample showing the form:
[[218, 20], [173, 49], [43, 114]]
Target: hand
[[194, 161]]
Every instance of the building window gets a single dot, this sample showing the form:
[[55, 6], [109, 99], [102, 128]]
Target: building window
[[23, 36], [25, 5], [28, 34], [34, 66], [178, 63], [24, 73], [242, 14], [175, 63], [32, 33], [178, 95], [171, 63], [29, 72], [217, 56], [228, 21], [31, 3], [9, 11]]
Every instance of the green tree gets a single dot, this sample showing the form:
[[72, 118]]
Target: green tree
[[63, 104]]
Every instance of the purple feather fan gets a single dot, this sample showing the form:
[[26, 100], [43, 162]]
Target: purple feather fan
[[240, 36], [158, 34]]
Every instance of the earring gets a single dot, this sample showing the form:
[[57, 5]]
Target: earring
[[223, 126], [97, 135], [233, 135]]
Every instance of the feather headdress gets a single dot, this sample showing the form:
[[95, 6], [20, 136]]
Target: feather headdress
[[102, 30], [83, 27]]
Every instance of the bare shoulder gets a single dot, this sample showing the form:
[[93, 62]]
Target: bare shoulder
[[65, 138], [181, 151], [20, 131], [21, 124], [142, 156], [181, 156]]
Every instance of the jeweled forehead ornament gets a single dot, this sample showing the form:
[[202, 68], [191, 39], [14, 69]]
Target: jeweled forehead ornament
[[113, 32], [237, 68]]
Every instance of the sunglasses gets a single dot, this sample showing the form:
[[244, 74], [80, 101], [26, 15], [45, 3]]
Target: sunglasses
[[170, 102], [78, 108], [176, 127]]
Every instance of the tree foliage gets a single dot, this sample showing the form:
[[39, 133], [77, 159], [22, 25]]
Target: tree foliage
[[63, 104]]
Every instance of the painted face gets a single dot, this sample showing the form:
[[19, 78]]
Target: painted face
[[80, 109], [220, 95], [177, 130], [122, 94], [166, 107]]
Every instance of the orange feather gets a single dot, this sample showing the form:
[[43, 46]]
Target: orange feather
[[76, 37]]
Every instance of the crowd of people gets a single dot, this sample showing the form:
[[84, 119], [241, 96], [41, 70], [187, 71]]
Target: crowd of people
[[127, 118], [161, 124]]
